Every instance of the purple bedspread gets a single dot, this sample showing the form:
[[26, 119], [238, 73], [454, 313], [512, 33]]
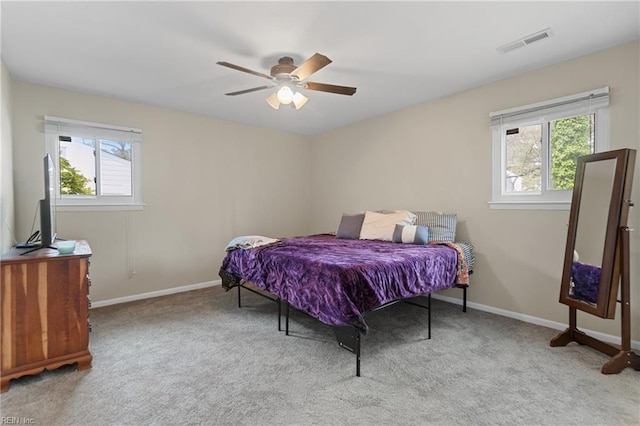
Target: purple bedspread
[[338, 280]]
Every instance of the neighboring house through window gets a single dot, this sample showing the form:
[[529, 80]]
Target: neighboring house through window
[[535, 148], [98, 166]]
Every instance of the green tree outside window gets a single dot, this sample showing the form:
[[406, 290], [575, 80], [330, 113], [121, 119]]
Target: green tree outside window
[[570, 138], [72, 182]]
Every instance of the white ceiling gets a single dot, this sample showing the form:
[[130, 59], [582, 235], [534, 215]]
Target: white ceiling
[[397, 54]]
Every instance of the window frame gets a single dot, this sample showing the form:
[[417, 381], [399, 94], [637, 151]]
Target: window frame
[[56, 127], [591, 102]]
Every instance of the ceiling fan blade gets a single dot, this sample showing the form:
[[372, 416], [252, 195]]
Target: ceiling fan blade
[[239, 68], [331, 88], [311, 65], [242, 92]]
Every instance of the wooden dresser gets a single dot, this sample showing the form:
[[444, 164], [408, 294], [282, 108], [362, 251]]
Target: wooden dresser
[[44, 299]]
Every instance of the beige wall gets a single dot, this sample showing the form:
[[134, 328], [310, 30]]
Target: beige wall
[[205, 182], [437, 156], [6, 160]]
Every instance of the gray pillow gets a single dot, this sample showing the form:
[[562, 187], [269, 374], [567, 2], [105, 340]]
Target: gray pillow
[[350, 226], [411, 234], [442, 226]]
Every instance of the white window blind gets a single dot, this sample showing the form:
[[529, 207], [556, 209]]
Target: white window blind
[[587, 101], [56, 125]]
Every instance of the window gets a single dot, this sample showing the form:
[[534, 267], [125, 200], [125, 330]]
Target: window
[[98, 166], [535, 148]]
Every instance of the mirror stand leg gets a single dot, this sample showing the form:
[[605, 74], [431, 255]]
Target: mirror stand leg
[[621, 361], [569, 335], [625, 357], [562, 339], [621, 357]]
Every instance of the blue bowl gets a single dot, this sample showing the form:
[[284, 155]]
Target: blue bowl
[[66, 247]]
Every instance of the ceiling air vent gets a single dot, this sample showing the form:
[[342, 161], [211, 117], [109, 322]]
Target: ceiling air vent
[[540, 35]]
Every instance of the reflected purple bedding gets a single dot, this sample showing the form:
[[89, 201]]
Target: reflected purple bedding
[[337, 280], [586, 280]]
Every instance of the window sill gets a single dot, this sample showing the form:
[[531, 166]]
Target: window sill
[[98, 207], [530, 205]]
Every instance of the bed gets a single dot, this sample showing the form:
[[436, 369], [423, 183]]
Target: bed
[[338, 280]]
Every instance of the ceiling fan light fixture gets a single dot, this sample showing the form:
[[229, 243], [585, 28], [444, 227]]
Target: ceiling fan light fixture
[[285, 95], [299, 100], [287, 77], [272, 100]]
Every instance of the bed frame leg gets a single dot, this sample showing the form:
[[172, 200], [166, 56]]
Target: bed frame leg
[[349, 338], [279, 302], [464, 299], [429, 310], [357, 354], [286, 317]]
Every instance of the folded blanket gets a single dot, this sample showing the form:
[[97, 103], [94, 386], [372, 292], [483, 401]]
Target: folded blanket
[[462, 273], [249, 241]]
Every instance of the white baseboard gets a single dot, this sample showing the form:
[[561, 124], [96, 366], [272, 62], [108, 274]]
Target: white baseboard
[[158, 293], [521, 317], [535, 320]]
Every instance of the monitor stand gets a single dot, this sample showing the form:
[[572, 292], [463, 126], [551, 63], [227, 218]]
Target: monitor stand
[[26, 245]]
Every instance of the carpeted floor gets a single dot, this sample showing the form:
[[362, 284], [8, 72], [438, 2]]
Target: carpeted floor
[[196, 358]]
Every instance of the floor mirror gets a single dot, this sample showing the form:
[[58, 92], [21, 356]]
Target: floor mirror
[[596, 265]]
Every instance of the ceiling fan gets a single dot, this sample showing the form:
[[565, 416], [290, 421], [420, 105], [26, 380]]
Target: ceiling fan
[[289, 77]]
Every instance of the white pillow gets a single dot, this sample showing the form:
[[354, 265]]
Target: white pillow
[[380, 226]]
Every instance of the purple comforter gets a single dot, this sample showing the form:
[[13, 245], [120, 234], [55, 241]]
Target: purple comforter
[[337, 280]]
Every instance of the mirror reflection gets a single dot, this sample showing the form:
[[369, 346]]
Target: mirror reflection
[[597, 186]]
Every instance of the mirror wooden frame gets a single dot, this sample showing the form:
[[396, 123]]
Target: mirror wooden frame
[[618, 214], [615, 264]]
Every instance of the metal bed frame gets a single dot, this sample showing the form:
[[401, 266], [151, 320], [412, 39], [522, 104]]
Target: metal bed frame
[[348, 337]]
